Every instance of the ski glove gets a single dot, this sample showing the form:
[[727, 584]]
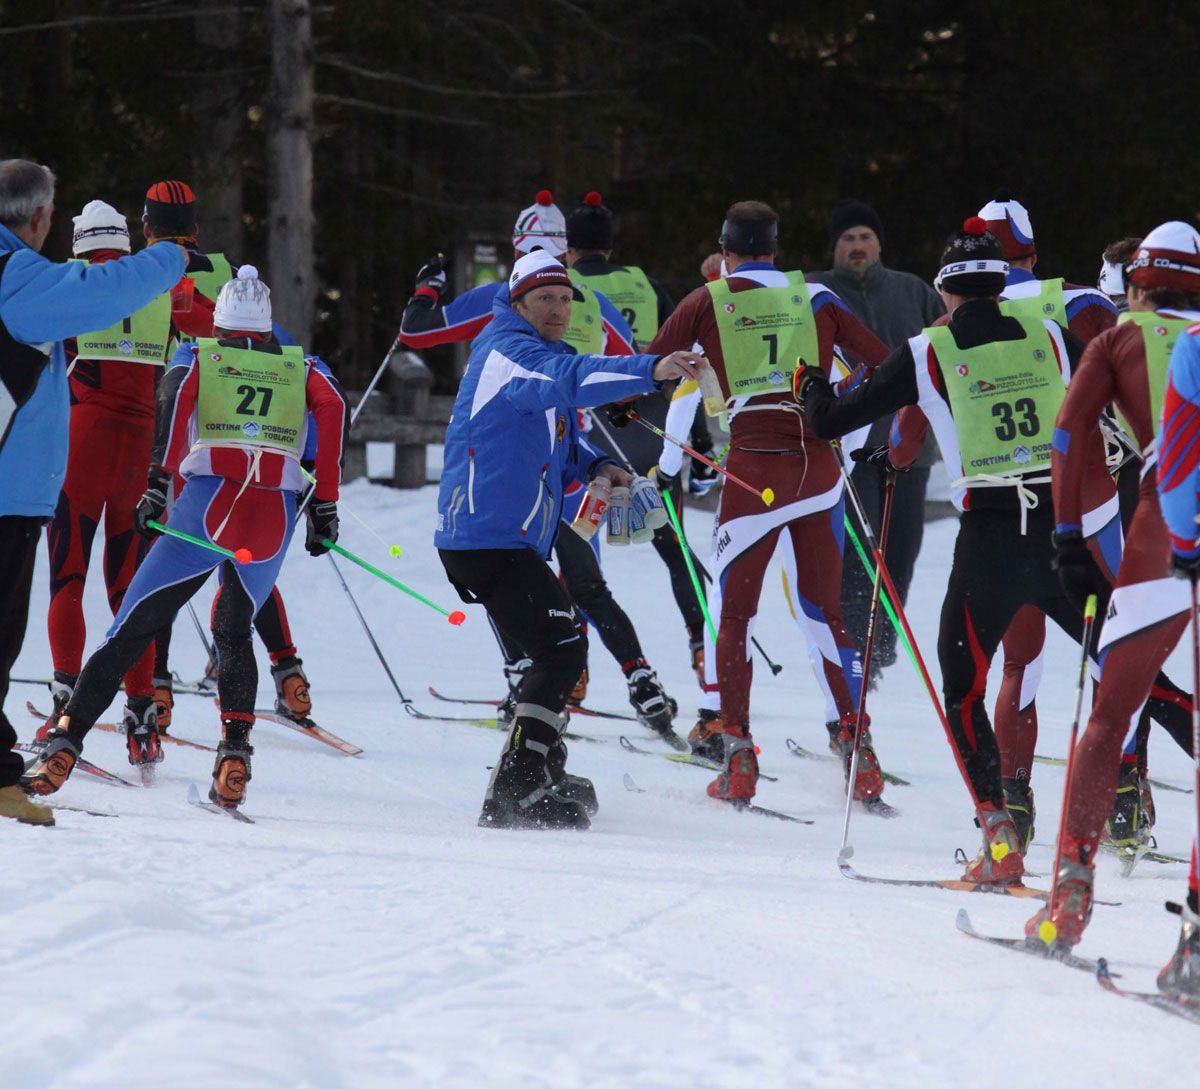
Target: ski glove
[[1079, 574], [1185, 567], [880, 457], [664, 482], [805, 379], [322, 523], [619, 413], [703, 478], [153, 504], [431, 280]]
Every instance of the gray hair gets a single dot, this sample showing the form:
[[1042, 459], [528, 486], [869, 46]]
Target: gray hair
[[24, 187]]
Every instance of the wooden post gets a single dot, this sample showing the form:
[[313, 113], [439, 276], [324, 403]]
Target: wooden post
[[290, 168]]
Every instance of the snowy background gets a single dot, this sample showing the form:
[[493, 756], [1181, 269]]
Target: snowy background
[[365, 934]]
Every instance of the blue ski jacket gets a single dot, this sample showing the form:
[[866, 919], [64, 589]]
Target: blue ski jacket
[[40, 302], [513, 443]]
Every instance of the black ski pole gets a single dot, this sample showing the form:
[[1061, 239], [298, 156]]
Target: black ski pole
[[210, 670], [374, 645]]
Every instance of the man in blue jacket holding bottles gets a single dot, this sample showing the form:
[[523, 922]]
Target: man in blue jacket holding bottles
[[42, 303], [512, 446]]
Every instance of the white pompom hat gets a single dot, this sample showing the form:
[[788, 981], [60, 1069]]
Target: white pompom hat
[[244, 303], [99, 227], [541, 226]]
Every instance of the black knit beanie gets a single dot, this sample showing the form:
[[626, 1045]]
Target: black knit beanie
[[973, 262], [853, 213], [590, 224]]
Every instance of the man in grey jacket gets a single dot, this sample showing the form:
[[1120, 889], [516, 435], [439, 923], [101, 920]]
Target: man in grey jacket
[[894, 306]]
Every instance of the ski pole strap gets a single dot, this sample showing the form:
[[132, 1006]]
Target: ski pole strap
[[241, 555], [456, 617], [884, 597], [669, 503]]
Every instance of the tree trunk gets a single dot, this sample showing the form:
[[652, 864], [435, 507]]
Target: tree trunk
[[292, 273], [220, 109]]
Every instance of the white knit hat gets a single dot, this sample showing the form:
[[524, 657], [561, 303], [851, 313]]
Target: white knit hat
[[533, 270], [244, 304], [541, 226], [99, 227]]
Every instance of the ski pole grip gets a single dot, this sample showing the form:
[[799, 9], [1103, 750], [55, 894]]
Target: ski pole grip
[[1089, 607]]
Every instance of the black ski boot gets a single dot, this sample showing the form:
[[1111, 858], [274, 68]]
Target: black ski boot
[[1181, 976], [1018, 800], [574, 788], [1125, 828], [522, 792], [649, 700]]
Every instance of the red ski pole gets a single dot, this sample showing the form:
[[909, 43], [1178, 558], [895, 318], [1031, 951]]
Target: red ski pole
[[1047, 931], [767, 495]]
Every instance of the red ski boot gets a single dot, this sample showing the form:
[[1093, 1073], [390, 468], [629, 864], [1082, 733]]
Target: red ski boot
[[999, 862], [868, 782], [739, 778], [1064, 918]]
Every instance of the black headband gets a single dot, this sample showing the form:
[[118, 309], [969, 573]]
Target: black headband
[[750, 237]]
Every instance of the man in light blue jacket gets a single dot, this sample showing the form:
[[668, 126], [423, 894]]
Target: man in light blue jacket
[[41, 303], [512, 446]]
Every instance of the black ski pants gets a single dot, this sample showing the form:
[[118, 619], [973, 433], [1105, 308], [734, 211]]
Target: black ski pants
[[996, 570], [905, 534], [19, 539], [529, 606], [237, 679], [668, 547], [585, 583]]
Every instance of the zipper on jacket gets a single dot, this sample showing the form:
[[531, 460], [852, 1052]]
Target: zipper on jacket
[[537, 503], [471, 479]]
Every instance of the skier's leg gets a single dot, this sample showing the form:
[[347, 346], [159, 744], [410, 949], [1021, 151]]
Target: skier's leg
[[1016, 710]]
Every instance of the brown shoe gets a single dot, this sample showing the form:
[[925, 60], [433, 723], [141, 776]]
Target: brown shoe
[[14, 804]]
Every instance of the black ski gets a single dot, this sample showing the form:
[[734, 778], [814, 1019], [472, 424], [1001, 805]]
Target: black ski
[[1180, 1007], [193, 797], [808, 754], [741, 807], [1033, 946], [683, 758]]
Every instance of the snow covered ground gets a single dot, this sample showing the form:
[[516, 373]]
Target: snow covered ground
[[365, 934]]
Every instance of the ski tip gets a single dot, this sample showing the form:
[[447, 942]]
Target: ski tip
[[193, 793], [963, 921], [627, 779], [845, 854]]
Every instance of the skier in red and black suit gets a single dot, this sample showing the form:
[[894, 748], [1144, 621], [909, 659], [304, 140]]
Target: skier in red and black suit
[[990, 386], [1149, 609], [771, 448], [113, 374], [170, 213]]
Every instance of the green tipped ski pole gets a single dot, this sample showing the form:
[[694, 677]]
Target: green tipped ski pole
[[238, 555], [669, 503], [456, 617]]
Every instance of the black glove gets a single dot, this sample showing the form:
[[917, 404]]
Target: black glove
[[1184, 567], [807, 378], [153, 504], [880, 457], [620, 413], [322, 524], [431, 280], [1079, 574], [664, 482]]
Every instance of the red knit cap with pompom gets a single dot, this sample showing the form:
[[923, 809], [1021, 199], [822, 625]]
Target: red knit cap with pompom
[[975, 225], [545, 198], [593, 199]]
